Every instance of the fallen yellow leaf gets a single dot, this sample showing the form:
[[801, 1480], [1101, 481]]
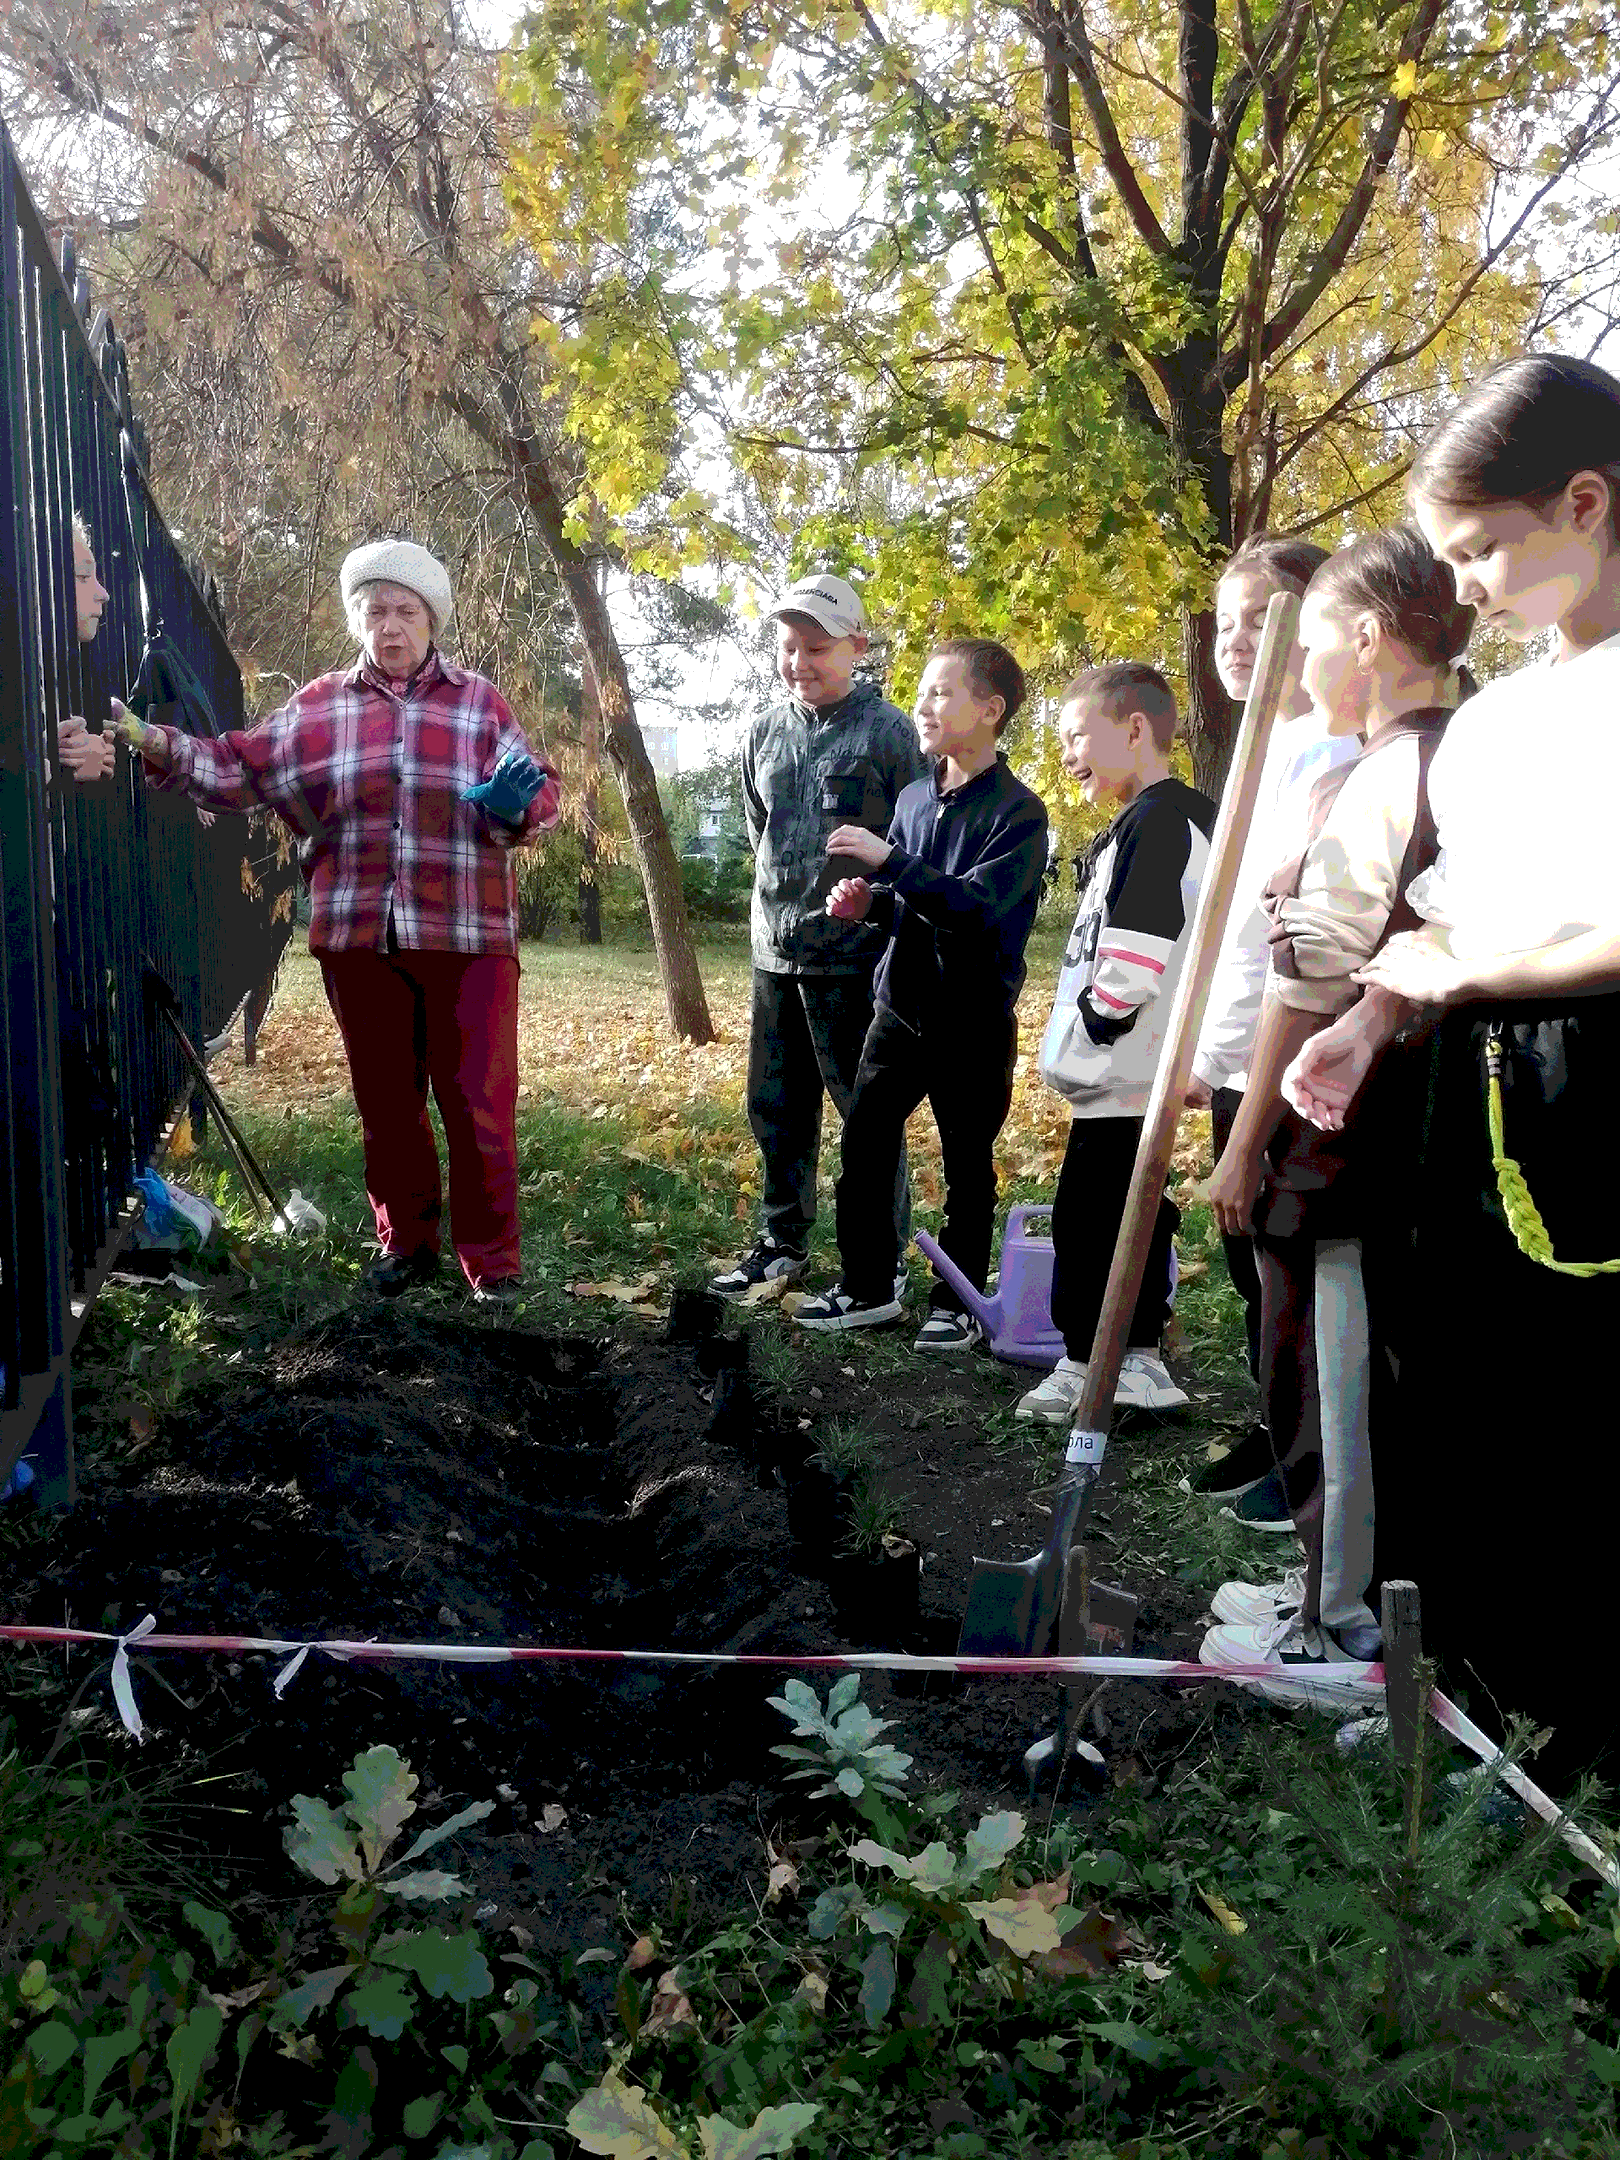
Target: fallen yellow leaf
[[1233, 1922], [621, 1293]]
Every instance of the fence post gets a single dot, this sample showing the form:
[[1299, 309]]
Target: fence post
[[35, 1404], [93, 881]]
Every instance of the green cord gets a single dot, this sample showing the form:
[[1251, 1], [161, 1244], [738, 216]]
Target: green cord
[[1524, 1217]]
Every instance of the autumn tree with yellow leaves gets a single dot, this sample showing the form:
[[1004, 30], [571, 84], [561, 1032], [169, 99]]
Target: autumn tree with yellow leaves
[[305, 206], [1028, 312]]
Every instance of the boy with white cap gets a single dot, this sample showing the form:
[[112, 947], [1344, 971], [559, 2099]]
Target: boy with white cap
[[408, 783], [834, 752]]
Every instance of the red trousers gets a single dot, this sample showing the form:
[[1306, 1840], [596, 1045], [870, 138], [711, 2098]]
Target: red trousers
[[411, 1019]]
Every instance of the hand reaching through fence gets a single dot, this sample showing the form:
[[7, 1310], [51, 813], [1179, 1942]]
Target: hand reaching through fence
[[86, 756], [151, 743]]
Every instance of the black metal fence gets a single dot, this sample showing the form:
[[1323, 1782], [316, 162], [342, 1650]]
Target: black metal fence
[[103, 880]]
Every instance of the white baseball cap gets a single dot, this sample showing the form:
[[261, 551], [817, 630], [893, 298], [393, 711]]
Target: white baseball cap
[[826, 600]]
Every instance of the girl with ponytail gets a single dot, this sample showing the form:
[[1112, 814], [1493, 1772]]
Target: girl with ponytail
[[1380, 630], [1517, 955]]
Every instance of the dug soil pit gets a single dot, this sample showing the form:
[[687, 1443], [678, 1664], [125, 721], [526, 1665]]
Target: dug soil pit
[[387, 1475]]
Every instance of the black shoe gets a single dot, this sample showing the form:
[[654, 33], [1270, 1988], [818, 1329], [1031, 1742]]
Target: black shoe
[[765, 1261], [1263, 1506], [501, 1290], [835, 1309], [399, 1271], [1245, 1464]]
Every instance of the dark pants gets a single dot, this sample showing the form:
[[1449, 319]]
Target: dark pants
[[1493, 1501], [805, 1037], [966, 1073], [411, 1019], [1086, 1209], [1239, 1251]]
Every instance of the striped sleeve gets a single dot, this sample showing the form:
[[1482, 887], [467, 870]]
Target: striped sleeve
[[1143, 915]]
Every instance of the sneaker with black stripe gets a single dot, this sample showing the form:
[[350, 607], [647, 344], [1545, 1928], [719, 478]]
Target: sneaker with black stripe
[[764, 1261], [944, 1330], [832, 1310]]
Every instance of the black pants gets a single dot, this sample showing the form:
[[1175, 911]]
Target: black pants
[[966, 1073], [1086, 1208], [1493, 1501], [1239, 1251], [805, 1038]]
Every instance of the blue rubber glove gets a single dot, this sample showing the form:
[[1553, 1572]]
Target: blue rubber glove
[[510, 788]]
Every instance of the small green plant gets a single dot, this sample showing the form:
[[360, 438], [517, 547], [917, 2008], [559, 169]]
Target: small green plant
[[411, 2030], [350, 1843], [846, 1449], [873, 1522], [774, 1361], [847, 1753]]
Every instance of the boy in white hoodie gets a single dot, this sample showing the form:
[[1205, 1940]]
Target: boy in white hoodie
[[1139, 891]]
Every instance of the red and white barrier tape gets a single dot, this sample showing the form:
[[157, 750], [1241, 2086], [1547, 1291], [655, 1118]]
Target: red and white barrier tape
[[1356, 1683]]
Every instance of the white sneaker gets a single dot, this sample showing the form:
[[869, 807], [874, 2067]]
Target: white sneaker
[[1145, 1384], [1053, 1401], [1248, 1604], [1294, 1650]]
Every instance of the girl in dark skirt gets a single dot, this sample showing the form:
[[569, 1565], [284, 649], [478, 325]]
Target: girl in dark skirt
[[1506, 1407]]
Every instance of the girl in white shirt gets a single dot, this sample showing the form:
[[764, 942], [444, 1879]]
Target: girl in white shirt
[[1380, 629], [1299, 752], [1511, 1546]]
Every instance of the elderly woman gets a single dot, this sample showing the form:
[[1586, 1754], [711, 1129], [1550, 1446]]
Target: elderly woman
[[409, 784]]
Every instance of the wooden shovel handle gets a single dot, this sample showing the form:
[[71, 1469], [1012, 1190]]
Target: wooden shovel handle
[[1094, 1411]]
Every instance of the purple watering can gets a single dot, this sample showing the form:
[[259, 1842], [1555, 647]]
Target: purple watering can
[[1018, 1319]]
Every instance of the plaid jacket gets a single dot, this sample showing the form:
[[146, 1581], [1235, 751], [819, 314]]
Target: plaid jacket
[[371, 781]]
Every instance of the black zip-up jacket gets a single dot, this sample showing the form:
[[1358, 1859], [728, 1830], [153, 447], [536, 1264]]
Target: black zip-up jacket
[[960, 890], [804, 771]]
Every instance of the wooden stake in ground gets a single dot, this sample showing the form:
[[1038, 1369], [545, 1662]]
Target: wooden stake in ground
[[1408, 1682]]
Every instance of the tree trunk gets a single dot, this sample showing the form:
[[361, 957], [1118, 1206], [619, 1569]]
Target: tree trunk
[[590, 737], [1211, 714], [649, 831], [590, 889], [1195, 427]]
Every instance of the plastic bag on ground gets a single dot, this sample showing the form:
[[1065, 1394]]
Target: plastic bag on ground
[[174, 1220], [299, 1217]]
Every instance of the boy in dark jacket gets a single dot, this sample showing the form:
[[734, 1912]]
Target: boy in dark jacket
[[960, 878], [834, 752], [1101, 1049]]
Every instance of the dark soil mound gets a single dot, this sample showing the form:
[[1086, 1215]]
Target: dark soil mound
[[390, 1476]]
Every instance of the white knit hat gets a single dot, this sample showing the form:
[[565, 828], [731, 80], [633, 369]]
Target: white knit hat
[[400, 562]]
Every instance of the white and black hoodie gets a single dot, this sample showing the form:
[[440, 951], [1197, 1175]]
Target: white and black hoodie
[[1139, 889]]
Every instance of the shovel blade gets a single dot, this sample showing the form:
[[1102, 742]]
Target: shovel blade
[[1011, 1606]]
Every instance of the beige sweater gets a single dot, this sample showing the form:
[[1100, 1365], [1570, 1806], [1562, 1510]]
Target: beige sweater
[[1349, 882]]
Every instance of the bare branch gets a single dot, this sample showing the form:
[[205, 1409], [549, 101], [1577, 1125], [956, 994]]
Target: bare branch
[[1064, 33]]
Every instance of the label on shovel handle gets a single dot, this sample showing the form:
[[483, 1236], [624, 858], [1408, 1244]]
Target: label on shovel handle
[[1086, 1447]]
